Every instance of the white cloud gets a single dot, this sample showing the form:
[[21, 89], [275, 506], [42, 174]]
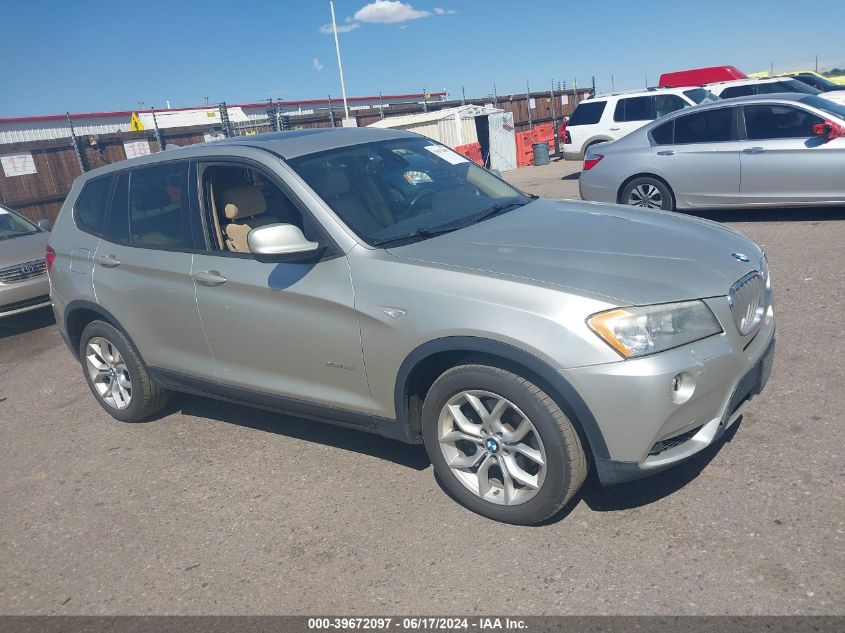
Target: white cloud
[[317, 64], [388, 12], [440, 11], [343, 28]]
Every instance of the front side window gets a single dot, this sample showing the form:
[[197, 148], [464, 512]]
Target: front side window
[[739, 91], [665, 104], [710, 126], [404, 189], [778, 121], [91, 207], [700, 95], [159, 207], [13, 225], [587, 113]]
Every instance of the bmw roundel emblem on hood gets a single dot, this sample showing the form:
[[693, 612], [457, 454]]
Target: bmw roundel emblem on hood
[[741, 257]]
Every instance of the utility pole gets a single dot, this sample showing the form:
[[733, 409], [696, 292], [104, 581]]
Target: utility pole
[[75, 142], [817, 63], [339, 63], [157, 131], [495, 98], [528, 103], [463, 96]]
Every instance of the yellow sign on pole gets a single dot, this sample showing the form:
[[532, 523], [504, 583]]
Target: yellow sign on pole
[[136, 125]]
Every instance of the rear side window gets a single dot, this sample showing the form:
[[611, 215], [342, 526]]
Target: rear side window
[[710, 126], [159, 206], [587, 113], [700, 95], [663, 134], [639, 109], [117, 228], [776, 121], [739, 91], [91, 207]]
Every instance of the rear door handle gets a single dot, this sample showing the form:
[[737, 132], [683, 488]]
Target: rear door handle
[[754, 150], [666, 152], [209, 278], [614, 129], [108, 261]]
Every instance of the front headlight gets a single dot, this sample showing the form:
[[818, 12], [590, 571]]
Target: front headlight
[[650, 329]]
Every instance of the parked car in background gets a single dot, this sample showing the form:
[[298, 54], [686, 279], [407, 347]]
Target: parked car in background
[[514, 336], [608, 117], [838, 80], [788, 148], [772, 85], [23, 282], [819, 82], [699, 76]]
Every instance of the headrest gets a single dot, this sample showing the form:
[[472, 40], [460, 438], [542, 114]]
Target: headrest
[[244, 201], [332, 182]]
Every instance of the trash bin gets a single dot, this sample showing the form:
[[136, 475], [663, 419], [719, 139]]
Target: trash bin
[[541, 153]]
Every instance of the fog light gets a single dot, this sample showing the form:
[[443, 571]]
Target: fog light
[[681, 387]]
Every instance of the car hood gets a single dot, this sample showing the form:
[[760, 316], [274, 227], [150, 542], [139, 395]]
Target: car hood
[[26, 248], [629, 255]]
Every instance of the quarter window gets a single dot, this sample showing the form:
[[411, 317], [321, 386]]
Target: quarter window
[[587, 113], [778, 121], [710, 126], [117, 228], [91, 208], [663, 134], [159, 207]]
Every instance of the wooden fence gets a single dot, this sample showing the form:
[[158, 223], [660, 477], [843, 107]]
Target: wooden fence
[[39, 195]]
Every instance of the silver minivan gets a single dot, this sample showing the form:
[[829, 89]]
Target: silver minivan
[[378, 280]]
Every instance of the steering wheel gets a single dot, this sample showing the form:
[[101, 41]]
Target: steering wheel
[[420, 195]]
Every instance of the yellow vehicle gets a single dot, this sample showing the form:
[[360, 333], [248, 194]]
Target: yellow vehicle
[[837, 79]]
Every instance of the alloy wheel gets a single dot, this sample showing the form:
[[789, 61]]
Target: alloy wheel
[[108, 373], [492, 447], [646, 195]]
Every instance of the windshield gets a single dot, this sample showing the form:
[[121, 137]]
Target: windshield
[[826, 105], [701, 95], [818, 82], [405, 189], [13, 225]]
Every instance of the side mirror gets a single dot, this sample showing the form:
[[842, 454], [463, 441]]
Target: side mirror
[[45, 224], [828, 130], [280, 243]]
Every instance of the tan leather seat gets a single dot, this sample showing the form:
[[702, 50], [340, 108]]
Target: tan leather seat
[[243, 206]]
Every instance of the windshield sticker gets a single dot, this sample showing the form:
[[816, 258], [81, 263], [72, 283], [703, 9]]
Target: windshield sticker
[[446, 154]]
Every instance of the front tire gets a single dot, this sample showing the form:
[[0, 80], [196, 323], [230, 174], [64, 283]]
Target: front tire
[[649, 193], [116, 374], [500, 445]]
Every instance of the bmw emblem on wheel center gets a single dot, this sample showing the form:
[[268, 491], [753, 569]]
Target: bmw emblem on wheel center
[[492, 445]]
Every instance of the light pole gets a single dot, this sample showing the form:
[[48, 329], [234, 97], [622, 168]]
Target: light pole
[[339, 63]]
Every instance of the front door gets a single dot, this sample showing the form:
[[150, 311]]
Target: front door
[[283, 329], [783, 162]]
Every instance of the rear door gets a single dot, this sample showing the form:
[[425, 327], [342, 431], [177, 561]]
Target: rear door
[[142, 267], [702, 161], [783, 162]]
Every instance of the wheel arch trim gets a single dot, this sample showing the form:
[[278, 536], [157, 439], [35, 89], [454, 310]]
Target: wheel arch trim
[[564, 392], [81, 304]]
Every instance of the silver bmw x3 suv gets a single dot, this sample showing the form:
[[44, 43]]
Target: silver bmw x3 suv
[[377, 280]]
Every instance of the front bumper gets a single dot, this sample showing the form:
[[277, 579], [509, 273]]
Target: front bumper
[[646, 426], [23, 296]]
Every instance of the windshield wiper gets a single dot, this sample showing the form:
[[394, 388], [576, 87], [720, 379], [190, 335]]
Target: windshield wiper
[[495, 210], [419, 232]]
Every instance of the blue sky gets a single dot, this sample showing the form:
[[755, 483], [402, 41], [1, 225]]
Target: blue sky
[[93, 56]]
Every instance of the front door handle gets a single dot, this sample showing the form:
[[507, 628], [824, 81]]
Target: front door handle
[[614, 129], [209, 278], [754, 150], [108, 261], [666, 152]]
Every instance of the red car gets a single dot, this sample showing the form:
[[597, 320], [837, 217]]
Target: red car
[[699, 76]]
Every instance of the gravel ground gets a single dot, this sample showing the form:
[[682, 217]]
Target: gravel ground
[[220, 509]]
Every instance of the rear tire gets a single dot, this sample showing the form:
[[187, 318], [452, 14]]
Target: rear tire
[[649, 193], [116, 374], [500, 445]]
